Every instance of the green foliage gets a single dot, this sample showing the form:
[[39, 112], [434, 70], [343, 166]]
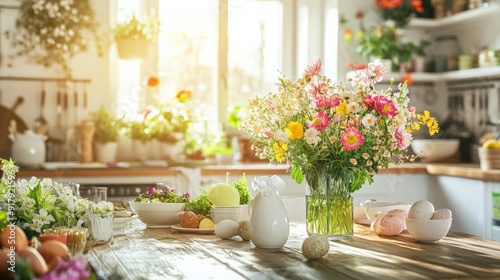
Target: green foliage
[[242, 186], [383, 42], [137, 29], [200, 205], [107, 126], [236, 114]]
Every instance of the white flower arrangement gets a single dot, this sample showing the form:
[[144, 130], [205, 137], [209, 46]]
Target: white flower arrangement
[[38, 204]]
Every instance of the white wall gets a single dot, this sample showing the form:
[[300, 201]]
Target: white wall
[[85, 66]]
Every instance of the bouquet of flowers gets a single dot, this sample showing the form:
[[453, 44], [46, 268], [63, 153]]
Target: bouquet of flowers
[[336, 135], [161, 195], [38, 204], [313, 121]]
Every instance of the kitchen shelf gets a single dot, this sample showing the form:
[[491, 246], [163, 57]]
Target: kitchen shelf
[[460, 19], [475, 73]]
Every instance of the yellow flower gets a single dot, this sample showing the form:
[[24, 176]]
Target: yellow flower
[[429, 121], [378, 32], [295, 130], [342, 109]]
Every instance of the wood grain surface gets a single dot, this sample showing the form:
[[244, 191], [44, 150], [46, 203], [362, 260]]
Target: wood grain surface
[[167, 254]]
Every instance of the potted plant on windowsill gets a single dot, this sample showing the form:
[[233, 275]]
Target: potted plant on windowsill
[[106, 134], [134, 36]]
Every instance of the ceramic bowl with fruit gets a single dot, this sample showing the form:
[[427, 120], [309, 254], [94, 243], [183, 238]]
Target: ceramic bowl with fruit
[[427, 225]]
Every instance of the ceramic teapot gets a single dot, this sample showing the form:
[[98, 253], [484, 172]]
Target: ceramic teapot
[[28, 148], [268, 217]]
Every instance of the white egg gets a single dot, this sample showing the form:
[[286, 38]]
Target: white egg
[[442, 214], [226, 229], [421, 210], [315, 246]]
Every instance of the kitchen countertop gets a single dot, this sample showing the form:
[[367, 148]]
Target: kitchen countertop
[[464, 170]]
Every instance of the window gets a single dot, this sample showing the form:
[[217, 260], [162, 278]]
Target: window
[[223, 51]]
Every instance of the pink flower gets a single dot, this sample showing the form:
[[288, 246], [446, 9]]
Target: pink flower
[[320, 122], [325, 102], [384, 106], [313, 69], [336, 119], [351, 139], [376, 71], [267, 133], [411, 111], [369, 103], [403, 137], [314, 88]]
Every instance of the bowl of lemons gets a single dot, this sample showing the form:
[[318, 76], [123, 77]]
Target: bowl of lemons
[[489, 154]]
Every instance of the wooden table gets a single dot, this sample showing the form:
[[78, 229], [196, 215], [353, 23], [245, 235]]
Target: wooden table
[[145, 253]]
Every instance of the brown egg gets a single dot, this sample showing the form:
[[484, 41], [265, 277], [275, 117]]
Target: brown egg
[[52, 249], [53, 263], [14, 238], [34, 260], [6, 260]]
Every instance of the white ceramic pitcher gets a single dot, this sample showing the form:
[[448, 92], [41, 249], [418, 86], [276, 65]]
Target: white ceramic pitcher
[[269, 222]]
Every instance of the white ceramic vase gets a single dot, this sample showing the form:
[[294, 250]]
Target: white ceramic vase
[[269, 221], [100, 227]]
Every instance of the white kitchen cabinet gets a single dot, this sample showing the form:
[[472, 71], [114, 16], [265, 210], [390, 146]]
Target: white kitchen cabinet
[[467, 200], [493, 210], [406, 188]]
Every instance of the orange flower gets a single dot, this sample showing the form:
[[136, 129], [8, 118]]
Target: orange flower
[[183, 95], [152, 81], [389, 4], [408, 79], [348, 35], [417, 5]]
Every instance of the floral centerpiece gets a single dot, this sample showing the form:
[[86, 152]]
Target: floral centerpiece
[[51, 32], [39, 204], [335, 135]]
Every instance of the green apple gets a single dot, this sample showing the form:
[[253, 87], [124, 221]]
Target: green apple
[[223, 194]]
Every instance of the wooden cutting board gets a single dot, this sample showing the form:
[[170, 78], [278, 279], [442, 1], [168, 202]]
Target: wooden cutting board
[[5, 142]]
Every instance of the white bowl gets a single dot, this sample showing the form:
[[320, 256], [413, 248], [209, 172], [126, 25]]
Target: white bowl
[[122, 222], [220, 213], [157, 214], [428, 231], [435, 149], [372, 208]]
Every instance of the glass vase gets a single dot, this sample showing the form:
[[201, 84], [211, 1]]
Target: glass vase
[[329, 204], [100, 227]]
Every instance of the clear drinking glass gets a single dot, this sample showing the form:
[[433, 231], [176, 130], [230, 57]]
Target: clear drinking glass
[[100, 227]]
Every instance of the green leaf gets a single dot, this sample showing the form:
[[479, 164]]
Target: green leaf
[[297, 174]]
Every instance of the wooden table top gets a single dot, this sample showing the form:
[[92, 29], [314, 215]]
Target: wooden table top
[[145, 253]]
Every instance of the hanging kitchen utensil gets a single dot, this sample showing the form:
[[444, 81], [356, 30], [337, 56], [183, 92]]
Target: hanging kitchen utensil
[[40, 124], [6, 115], [57, 134], [75, 104]]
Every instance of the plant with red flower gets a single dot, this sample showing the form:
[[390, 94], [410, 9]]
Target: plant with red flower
[[399, 11]]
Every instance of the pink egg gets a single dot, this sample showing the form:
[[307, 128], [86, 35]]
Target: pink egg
[[390, 223], [442, 214]]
